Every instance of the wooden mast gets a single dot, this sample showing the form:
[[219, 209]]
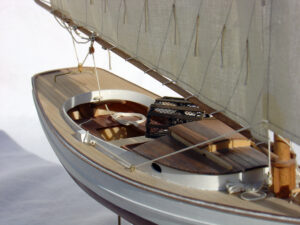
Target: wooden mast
[[284, 168], [218, 115]]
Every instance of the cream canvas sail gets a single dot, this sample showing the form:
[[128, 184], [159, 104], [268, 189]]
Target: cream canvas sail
[[238, 56]]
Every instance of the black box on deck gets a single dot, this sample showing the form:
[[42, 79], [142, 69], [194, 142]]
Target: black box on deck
[[170, 111]]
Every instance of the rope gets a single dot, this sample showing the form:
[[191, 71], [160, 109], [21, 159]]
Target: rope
[[105, 6], [117, 117], [285, 141], [96, 74], [197, 31], [92, 52], [247, 61], [69, 29], [222, 44], [146, 15], [125, 12], [76, 53], [175, 24], [270, 178], [109, 59], [194, 146]]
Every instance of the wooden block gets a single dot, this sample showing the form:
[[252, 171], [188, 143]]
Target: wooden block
[[203, 130]]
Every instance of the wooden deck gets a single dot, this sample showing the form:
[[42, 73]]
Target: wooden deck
[[51, 95]]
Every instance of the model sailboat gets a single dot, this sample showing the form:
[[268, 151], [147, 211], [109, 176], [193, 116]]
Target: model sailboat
[[204, 158]]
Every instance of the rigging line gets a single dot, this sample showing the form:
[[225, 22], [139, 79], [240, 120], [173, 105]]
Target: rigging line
[[64, 25], [61, 23], [68, 28], [78, 34], [78, 42], [214, 49], [164, 41], [92, 52], [85, 58], [242, 62], [190, 43], [195, 146], [75, 49], [97, 76]]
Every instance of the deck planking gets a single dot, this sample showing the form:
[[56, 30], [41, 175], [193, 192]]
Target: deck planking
[[51, 95]]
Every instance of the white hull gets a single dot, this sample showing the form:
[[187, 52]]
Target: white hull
[[151, 204]]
